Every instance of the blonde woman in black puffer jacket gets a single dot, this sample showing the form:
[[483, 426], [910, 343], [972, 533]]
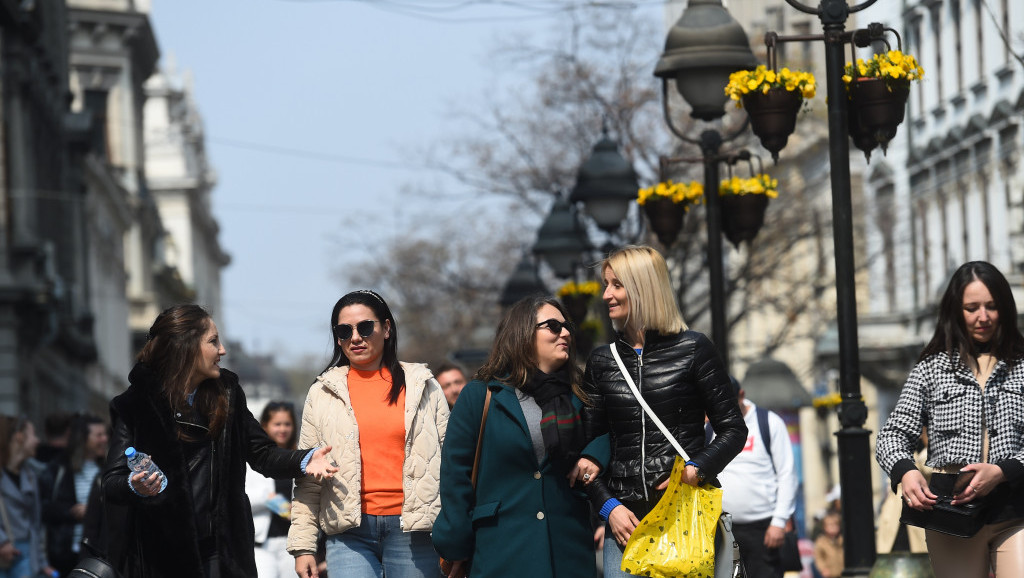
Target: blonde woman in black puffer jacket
[[681, 377]]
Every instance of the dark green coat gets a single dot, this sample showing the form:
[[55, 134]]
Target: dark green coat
[[524, 519]]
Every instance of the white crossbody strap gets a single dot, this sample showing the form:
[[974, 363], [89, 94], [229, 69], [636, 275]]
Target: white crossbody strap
[[643, 404]]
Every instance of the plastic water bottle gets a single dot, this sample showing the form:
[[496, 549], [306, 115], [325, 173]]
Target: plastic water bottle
[[141, 462]]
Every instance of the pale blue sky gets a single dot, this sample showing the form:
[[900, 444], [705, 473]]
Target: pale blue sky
[[346, 80]]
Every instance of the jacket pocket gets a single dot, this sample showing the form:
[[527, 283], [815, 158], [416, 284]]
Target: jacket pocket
[[486, 514], [949, 404]]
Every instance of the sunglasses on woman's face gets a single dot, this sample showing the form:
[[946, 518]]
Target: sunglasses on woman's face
[[344, 330], [555, 326]]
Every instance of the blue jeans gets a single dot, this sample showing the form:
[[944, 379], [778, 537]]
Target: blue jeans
[[22, 567], [378, 548], [612, 556]]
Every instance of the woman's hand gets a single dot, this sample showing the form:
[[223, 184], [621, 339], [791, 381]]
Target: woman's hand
[[623, 522], [585, 471], [915, 491], [320, 466], [689, 477], [147, 485], [986, 478], [458, 569], [8, 552], [305, 566]]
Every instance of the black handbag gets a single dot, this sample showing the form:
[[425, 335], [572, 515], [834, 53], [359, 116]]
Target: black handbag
[[789, 553], [95, 566], [962, 520]]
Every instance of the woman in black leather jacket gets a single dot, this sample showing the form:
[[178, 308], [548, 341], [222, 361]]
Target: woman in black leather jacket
[[680, 376], [191, 417]]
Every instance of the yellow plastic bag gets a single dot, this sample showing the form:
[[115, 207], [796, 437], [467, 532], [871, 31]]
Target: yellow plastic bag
[[677, 538]]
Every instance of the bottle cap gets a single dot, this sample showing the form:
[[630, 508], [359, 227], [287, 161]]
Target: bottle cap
[[129, 451]]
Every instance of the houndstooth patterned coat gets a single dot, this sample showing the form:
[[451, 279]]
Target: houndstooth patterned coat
[[943, 395]]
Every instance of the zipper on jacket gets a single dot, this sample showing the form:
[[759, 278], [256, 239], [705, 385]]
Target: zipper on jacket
[[643, 424]]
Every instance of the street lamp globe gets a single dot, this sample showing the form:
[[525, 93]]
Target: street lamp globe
[[523, 282], [703, 48], [560, 239], [606, 185]]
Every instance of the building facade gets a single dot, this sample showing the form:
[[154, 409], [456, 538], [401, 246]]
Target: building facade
[[46, 323], [89, 250], [181, 180], [951, 189]]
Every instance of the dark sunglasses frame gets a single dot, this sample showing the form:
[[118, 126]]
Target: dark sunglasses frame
[[343, 331], [555, 326]]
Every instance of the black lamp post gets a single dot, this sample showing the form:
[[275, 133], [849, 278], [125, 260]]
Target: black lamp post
[[561, 240], [703, 48], [606, 186], [854, 449], [523, 283]]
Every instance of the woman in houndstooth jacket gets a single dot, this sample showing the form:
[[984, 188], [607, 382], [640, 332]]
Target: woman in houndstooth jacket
[[967, 390]]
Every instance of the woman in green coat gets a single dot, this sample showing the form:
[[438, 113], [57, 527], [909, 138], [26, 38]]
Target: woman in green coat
[[524, 518]]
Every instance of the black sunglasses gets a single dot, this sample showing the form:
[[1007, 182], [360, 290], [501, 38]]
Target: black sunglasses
[[555, 326], [344, 330]]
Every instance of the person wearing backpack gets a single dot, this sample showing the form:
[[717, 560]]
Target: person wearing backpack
[[759, 489]]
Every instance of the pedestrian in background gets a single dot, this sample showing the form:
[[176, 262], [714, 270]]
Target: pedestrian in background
[[452, 379], [271, 498], [967, 389], [386, 421], [191, 417], [681, 377], [759, 489], [56, 431], [524, 517], [22, 546], [66, 486], [828, 547]]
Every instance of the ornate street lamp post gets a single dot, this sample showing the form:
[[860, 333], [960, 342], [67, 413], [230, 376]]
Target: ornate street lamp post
[[561, 241], [703, 48], [523, 283], [606, 186], [853, 440]]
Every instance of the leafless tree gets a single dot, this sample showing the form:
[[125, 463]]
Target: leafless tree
[[530, 142]]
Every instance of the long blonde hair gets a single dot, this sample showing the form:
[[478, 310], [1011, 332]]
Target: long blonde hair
[[644, 275]]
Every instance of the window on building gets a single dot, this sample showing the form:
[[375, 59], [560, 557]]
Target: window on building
[[1006, 29], [958, 43], [979, 32], [887, 228], [936, 24]]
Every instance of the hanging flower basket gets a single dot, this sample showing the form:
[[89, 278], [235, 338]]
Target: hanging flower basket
[[665, 219], [878, 89], [665, 205], [772, 100], [576, 306], [744, 202], [879, 106], [576, 298], [861, 137], [742, 217], [773, 117]]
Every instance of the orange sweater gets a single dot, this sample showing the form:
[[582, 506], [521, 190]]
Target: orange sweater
[[381, 440]]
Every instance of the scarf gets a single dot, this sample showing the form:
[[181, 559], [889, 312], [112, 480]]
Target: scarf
[[560, 424]]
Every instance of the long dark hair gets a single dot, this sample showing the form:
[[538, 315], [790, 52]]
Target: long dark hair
[[9, 427], [513, 357], [81, 426], [172, 352], [389, 360], [951, 331], [273, 407]]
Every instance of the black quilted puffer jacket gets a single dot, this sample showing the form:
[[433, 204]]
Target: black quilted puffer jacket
[[682, 378]]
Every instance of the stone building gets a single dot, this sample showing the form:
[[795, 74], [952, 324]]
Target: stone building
[[46, 318], [91, 248], [951, 188]]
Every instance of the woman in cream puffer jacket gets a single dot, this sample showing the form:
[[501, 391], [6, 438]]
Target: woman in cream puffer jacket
[[341, 506]]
